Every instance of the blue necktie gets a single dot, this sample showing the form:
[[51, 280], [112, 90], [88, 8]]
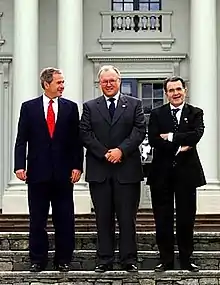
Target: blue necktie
[[111, 107]]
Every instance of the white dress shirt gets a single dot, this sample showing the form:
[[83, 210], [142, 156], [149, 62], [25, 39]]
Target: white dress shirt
[[46, 101], [115, 102]]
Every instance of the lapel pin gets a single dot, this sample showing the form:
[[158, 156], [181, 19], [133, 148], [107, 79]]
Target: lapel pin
[[123, 106], [185, 120]]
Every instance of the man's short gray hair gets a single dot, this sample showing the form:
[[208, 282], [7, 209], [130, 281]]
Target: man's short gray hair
[[47, 75], [105, 68]]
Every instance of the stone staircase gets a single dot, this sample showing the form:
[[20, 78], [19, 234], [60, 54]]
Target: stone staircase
[[14, 263]]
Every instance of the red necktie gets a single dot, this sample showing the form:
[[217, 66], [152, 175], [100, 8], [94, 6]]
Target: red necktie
[[50, 118]]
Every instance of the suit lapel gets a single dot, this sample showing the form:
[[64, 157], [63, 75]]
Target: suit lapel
[[42, 116], [103, 109], [184, 116], [121, 107], [60, 115], [168, 116]]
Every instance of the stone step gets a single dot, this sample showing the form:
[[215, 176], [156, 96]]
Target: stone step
[[86, 260], [86, 222], [208, 277], [87, 240]]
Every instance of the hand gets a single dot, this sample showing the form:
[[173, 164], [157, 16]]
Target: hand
[[76, 174], [21, 174], [185, 148], [164, 136], [114, 155]]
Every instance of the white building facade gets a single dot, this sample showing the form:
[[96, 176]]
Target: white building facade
[[147, 40]]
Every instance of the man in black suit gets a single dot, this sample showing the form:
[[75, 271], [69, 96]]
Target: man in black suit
[[174, 131], [49, 125], [112, 128]]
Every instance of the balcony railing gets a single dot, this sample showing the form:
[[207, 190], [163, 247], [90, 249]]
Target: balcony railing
[[136, 26]]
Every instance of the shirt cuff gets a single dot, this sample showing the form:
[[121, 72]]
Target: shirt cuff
[[170, 137]]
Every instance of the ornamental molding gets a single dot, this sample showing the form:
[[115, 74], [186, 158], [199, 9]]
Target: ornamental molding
[[107, 43], [2, 40], [5, 58], [124, 57]]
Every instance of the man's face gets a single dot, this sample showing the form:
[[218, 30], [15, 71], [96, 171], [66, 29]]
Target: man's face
[[56, 87], [109, 83], [176, 93]]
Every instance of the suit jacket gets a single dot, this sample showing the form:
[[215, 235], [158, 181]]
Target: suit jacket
[[188, 169], [99, 134], [48, 158]]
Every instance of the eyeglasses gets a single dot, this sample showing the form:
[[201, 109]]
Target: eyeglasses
[[178, 89], [106, 82]]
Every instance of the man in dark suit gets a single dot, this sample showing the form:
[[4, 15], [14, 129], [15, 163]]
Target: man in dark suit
[[112, 128], [174, 131], [50, 126]]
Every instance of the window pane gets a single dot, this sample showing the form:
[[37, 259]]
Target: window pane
[[158, 90], [128, 6], [117, 7], [126, 88], [143, 7], [147, 104], [157, 103], [117, 1], [146, 90], [131, 1], [154, 6]]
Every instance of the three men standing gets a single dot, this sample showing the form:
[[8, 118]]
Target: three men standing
[[174, 131], [112, 128], [49, 125]]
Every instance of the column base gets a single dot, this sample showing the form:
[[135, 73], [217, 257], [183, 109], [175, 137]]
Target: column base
[[208, 198], [15, 198]]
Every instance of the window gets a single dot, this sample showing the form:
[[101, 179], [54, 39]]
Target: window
[[152, 96], [136, 22], [136, 5]]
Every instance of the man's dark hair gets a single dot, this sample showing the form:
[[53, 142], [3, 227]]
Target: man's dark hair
[[173, 79], [47, 75]]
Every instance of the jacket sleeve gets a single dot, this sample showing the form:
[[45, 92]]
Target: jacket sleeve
[[78, 147], [154, 135], [137, 135], [192, 137], [21, 140], [87, 135]]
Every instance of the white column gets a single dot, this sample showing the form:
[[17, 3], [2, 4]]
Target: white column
[[70, 61], [203, 93], [25, 86], [70, 47]]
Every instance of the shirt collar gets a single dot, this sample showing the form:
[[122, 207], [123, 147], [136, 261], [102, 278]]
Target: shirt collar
[[46, 99], [116, 97], [179, 107]]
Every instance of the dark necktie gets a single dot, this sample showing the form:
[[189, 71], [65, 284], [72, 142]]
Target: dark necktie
[[175, 129], [175, 121], [50, 118], [111, 107]]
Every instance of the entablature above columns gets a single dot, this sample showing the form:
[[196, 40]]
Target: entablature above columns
[[140, 65]]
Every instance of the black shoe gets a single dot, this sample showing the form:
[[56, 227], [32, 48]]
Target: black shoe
[[100, 268], [163, 267], [130, 267], [190, 267], [62, 267], [36, 267]]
